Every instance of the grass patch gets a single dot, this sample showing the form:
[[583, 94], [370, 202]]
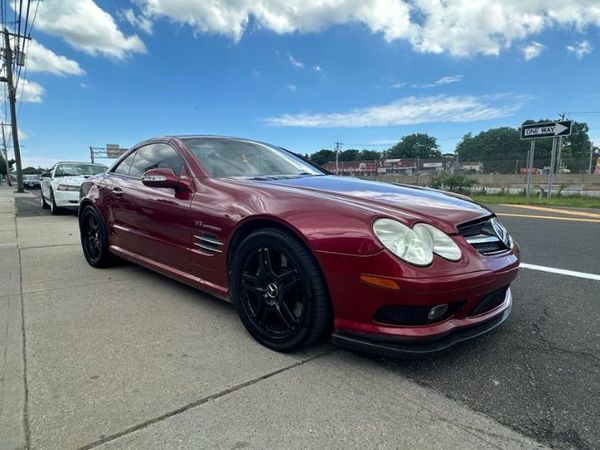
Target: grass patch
[[575, 201]]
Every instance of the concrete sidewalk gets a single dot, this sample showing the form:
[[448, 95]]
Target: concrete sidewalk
[[126, 358]]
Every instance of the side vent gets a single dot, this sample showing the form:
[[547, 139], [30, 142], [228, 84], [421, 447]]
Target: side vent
[[207, 244]]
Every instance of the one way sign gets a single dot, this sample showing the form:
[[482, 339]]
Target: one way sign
[[545, 130]]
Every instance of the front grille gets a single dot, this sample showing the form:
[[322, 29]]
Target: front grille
[[472, 229], [482, 236], [487, 248], [490, 302]]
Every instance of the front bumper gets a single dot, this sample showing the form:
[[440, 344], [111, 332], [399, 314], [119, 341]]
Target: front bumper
[[399, 346], [465, 286], [66, 199]]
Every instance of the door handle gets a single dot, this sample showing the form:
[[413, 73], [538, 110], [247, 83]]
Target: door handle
[[117, 192]]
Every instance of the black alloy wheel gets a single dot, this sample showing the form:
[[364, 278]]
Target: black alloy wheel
[[279, 291], [94, 238]]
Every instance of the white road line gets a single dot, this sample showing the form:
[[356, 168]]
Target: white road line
[[571, 273]]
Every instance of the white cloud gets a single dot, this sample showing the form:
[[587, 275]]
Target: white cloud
[[295, 62], [532, 50], [292, 87], [86, 27], [8, 135], [449, 79], [317, 68], [407, 111], [41, 59], [83, 85], [389, 17], [30, 91], [140, 21], [580, 49], [456, 27], [444, 80], [398, 85]]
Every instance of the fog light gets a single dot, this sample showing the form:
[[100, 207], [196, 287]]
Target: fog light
[[437, 311]]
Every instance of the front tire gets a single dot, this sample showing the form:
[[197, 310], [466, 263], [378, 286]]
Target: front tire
[[54, 210], [279, 292], [94, 238]]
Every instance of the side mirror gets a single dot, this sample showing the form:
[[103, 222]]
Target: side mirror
[[163, 178], [45, 175]]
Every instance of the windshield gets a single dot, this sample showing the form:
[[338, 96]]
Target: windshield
[[66, 170], [233, 158], [31, 177]]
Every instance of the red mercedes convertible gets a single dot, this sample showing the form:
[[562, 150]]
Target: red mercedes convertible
[[383, 268]]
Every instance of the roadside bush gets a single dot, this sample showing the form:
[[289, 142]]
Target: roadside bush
[[453, 183]]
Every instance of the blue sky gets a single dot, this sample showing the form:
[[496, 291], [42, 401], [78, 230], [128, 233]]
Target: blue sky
[[119, 72]]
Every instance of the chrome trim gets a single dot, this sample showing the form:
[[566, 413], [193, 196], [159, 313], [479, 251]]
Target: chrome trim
[[200, 252], [207, 248], [482, 239], [209, 240]]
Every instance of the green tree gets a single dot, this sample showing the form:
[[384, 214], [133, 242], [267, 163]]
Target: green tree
[[366, 155], [416, 145], [497, 148], [322, 156], [11, 162], [349, 155], [576, 148], [500, 148], [32, 170]]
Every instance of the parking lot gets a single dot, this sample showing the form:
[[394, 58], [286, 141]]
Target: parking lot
[[123, 357]]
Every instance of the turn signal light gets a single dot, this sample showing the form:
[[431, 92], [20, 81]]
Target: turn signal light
[[379, 282]]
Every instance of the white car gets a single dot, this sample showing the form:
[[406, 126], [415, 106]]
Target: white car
[[60, 185]]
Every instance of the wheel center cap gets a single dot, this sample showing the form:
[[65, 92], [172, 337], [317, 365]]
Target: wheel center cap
[[272, 290]]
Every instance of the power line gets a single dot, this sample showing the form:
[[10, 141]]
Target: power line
[[28, 44]]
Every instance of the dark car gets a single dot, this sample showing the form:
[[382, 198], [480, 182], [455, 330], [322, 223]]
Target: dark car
[[390, 269]]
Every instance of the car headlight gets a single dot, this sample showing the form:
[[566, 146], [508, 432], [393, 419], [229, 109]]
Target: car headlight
[[416, 245], [443, 245], [67, 187]]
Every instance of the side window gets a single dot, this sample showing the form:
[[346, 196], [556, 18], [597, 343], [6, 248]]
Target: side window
[[156, 156], [125, 165]]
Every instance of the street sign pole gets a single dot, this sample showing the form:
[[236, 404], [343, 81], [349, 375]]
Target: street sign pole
[[554, 130], [552, 164], [530, 166]]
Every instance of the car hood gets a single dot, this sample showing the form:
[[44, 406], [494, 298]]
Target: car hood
[[413, 203]]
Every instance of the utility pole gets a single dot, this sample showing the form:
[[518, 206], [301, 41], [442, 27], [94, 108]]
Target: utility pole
[[338, 147], [5, 153], [12, 97], [591, 157]]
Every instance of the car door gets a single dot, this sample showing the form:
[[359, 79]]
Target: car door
[[151, 222]]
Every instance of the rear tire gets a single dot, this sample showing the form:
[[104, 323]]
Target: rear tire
[[94, 238], [278, 290]]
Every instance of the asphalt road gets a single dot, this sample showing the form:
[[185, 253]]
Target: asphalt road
[[31, 206], [540, 372]]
